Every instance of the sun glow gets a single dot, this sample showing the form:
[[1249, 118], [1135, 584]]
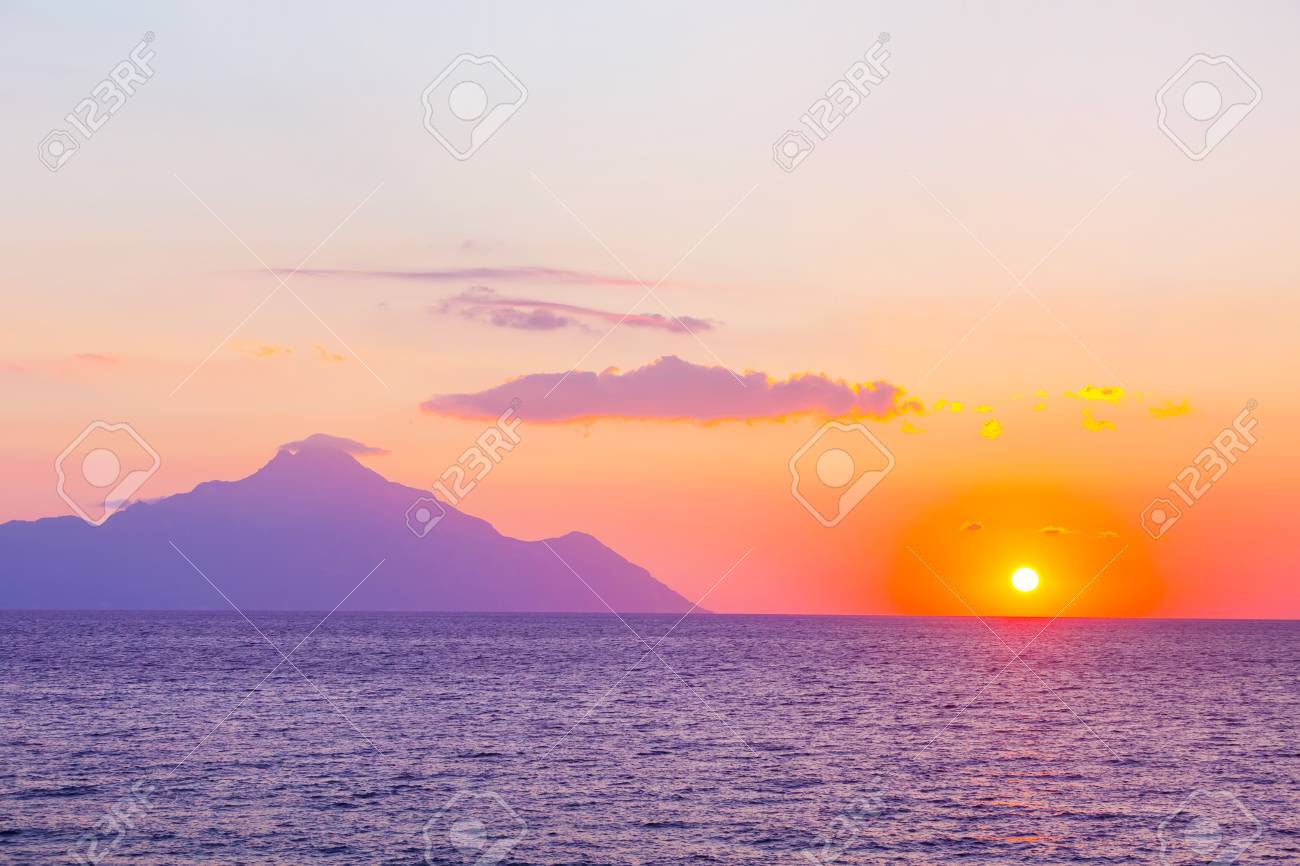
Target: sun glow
[[1025, 579]]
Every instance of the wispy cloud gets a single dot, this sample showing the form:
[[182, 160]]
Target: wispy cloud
[[971, 526], [335, 443], [1059, 530], [329, 357], [96, 358], [531, 314], [264, 350], [500, 274], [671, 389]]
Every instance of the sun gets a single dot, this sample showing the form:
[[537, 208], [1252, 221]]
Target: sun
[[1025, 579]]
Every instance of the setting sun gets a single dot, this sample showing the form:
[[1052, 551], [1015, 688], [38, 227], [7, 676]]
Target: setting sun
[[1025, 579]]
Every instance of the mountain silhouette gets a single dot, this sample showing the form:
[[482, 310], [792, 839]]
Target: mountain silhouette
[[300, 534]]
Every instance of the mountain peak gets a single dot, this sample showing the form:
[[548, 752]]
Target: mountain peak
[[299, 534]]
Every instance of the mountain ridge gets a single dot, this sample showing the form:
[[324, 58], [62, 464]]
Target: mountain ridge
[[301, 533]]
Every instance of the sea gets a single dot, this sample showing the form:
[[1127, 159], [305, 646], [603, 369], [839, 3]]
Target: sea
[[388, 738]]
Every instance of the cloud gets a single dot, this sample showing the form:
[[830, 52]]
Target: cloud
[[971, 526], [530, 314], [328, 356], [508, 274], [264, 350], [336, 443], [1096, 424], [908, 427], [1170, 410], [671, 389], [1107, 533], [1109, 394], [1059, 530], [991, 430]]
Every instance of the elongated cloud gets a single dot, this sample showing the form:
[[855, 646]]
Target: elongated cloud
[[264, 350], [96, 358], [530, 314], [671, 389], [336, 443], [509, 274]]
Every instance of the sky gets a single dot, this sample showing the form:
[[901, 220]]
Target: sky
[[999, 222]]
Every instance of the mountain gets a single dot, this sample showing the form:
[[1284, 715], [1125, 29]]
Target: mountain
[[300, 534]]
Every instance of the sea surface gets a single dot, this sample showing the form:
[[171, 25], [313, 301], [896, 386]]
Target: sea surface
[[185, 738]]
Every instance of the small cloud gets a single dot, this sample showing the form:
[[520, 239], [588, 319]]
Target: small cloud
[[96, 358], [983, 408], [1170, 410], [991, 430], [334, 443], [264, 350], [909, 427], [1109, 394], [329, 357], [1096, 424], [1038, 407], [955, 406], [1107, 533], [971, 526], [1059, 530], [1040, 394]]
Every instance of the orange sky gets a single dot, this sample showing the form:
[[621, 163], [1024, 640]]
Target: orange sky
[[995, 151]]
